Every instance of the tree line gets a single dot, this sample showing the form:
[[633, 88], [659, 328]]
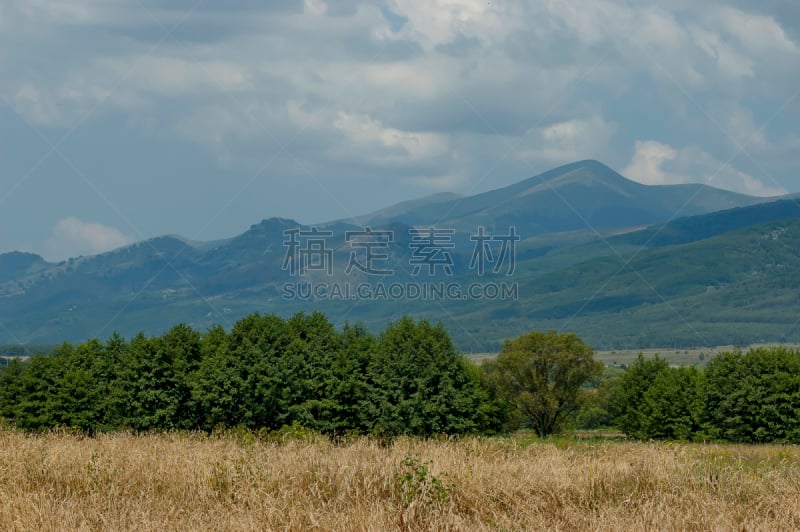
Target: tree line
[[751, 397], [268, 373]]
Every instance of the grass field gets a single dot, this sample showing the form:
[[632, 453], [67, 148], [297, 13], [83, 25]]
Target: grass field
[[189, 481]]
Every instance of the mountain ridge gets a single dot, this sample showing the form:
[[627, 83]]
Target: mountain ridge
[[573, 196], [585, 173], [157, 282]]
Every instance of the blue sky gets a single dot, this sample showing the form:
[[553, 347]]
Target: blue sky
[[123, 120]]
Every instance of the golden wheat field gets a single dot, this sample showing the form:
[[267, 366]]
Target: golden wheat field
[[237, 482]]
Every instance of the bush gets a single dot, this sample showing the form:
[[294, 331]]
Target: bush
[[754, 397]]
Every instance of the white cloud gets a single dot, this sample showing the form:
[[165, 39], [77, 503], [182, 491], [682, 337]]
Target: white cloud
[[69, 11], [755, 32], [728, 60], [656, 163], [701, 45], [315, 7], [389, 145], [72, 237], [302, 115], [434, 22], [127, 84], [36, 107], [646, 165], [174, 76], [568, 141], [739, 125], [421, 79], [656, 28], [435, 101]]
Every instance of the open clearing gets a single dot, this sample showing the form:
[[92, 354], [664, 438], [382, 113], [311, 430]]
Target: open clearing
[[191, 481]]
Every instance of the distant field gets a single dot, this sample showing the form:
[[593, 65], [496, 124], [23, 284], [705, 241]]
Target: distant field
[[677, 357], [195, 482]]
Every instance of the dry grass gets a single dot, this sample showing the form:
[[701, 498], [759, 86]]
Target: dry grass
[[179, 482]]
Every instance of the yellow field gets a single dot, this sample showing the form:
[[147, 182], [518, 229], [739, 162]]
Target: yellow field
[[179, 482]]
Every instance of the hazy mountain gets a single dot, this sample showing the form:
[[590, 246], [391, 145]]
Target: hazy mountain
[[608, 282], [577, 196], [17, 264], [735, 287], [398, 211]]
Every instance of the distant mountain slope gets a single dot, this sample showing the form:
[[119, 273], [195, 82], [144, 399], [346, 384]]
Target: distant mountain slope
[[736, 287], [692, 229], [679, 231], [616, 290], [571, 197], [17, 264], [399, 210]]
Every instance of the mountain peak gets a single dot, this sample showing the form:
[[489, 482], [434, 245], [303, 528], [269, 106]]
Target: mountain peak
[[16, 263], [23, 256], [587, 174], [273, 222], [592, 164]]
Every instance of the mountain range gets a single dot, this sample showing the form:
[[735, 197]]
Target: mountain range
[[572, 197], [620, 263]]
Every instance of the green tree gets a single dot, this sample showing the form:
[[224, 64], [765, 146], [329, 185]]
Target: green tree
[[76, 399], [308, 364], [346, 390], [754, 397], [594, 410], [239, 381], [217, 387], [542, 374], [672, 408], [422, 385], [114, 374], [71, 387], [627, 398], [11, 389], [37, 383], [158, 379]]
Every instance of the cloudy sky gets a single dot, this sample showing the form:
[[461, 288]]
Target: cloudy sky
[[122, 119]]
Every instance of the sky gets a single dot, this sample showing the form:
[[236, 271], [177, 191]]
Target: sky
[[122, 120]]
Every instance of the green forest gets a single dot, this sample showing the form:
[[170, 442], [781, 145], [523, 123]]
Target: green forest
[[269, 374]]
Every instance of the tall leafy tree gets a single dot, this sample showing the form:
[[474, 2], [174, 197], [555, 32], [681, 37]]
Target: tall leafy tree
[[115, 376], [37, 384], [422, 385], [238, 382], [627, 398], [159, 379], [12, 392], [218, 390], [754, 397], [76, 399], [308, 364], [672, 407], [542, 375], [338, 406]]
